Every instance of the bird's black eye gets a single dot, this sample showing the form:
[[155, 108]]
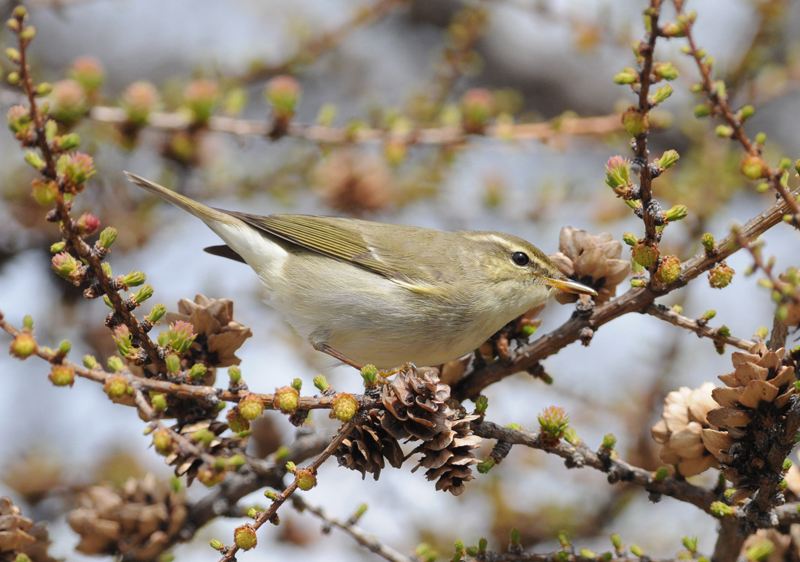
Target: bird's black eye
[[520, 258]]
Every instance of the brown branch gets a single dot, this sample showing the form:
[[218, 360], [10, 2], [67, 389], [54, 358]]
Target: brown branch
[[316, 46], [729, 541], [640, 146], [635, 300], [723, 108], [207, 394], [360, 536], [269, 513], [492, 556], [669, 315], [572, 126], [578, 456], [67, 225]]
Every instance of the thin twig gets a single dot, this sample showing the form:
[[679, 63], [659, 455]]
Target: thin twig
[[720, 102], [669, 315], [321, 43], [446, 135], [361, 537], [270, 512]]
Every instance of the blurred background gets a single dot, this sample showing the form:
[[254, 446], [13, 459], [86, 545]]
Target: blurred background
[[387, 65]]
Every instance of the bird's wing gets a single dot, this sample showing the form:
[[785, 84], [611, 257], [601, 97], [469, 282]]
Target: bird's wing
[[357, 242]]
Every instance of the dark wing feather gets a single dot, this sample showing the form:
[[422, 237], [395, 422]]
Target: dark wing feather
[[350, 240], [224, 251]]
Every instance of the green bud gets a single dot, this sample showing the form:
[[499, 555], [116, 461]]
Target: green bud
[[626, 78], [235, 374], [321, 383], [173, 363], [156, 313], [571, 436], [27, 322], [159, 401], [297, 384], [702, 111], [662, 472], [637, 283], [89, 361], [723, 131], [57, 247], [666, 71], [629, 239], [669, 159], [67, 142], [746, 112], [690, 544], [636, 550], [586, 553], [485, 466], [370, 375], [28, 33], [720, 509], [563, 539], [609, 441], [724, 331], [761, 138], [12, 54], [115, 364], [64, 347], [143, 294], [216, 545], [327, 115], [722, 91], [663, 93], [13, 78], [108, 236], [481, 403], [34, 160], [760, 551], [708, 242], [472, 551], [197, 371], [785, 163], [482, 545], [787, 464], [515, 536], [616, 540], [676, 213], [134, 279]]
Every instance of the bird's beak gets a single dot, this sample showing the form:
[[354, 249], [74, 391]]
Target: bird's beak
[[569, 286]]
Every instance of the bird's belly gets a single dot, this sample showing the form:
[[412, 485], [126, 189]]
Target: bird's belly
[[371, 319]]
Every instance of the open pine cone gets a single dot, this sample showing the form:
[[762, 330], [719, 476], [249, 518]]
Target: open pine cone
[[138, 521], [680, 430], [759, 389], [449, 458], [367, 447], [591, 260], [416, 409], [416, 404], [19, 536], [218, 334]]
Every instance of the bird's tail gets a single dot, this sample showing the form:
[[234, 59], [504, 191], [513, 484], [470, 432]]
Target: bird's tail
[[203, 212]]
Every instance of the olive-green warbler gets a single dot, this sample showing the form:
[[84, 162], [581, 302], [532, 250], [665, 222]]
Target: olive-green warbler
[[382, 294]]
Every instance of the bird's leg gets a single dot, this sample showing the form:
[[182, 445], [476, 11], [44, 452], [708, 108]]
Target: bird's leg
[[383, 375], [325, 348]]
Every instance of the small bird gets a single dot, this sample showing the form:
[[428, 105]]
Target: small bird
[[373, 293]]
